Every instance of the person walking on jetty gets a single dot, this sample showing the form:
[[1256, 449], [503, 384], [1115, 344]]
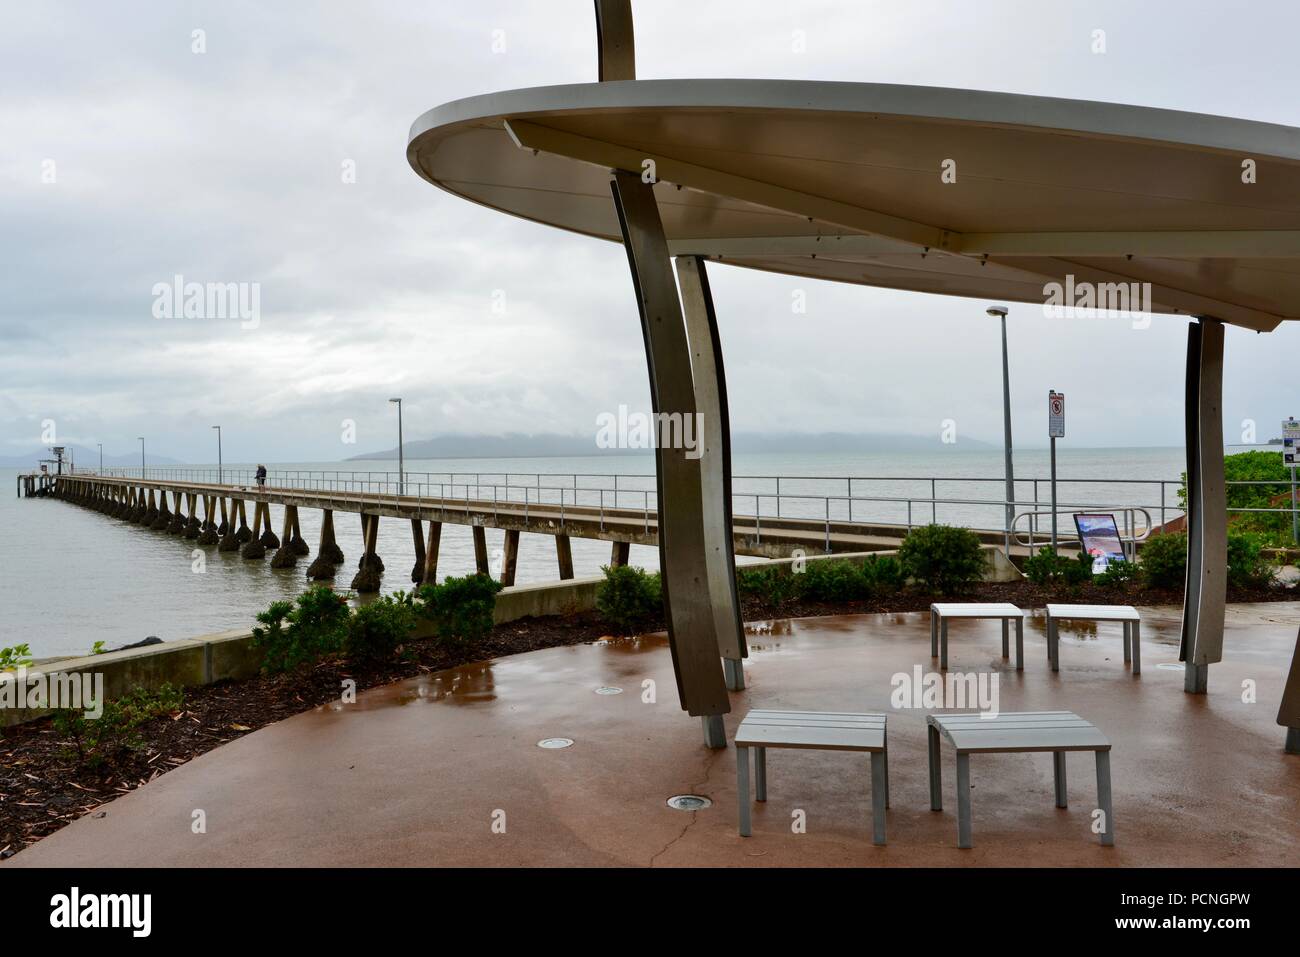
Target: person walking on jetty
[[261, 475]]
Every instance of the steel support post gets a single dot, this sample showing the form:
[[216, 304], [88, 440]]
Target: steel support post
[[1207, 507], [713, 441], [685, 538], [1288, 715]]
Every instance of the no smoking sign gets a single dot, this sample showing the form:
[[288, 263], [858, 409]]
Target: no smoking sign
[[1056, 415]]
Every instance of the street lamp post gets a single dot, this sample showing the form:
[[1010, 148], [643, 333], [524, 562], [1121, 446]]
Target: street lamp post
[[220, 478], [1001, 313], [401, 456], [141, 456], [101, 457]]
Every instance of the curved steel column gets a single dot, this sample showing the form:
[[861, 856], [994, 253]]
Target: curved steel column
[[715, 462], [614, 40], [683, 537], [1207, 507], [1288, 715]]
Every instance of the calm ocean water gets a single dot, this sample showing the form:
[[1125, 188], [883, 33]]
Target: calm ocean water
[[73, 576]]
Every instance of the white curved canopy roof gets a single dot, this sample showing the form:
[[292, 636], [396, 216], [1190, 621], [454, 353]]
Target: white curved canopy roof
[[842, 181]]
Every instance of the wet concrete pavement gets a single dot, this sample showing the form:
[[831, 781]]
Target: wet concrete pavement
[[431, 771]]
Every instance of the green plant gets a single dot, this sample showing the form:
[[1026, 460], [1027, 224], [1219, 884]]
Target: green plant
[[628, 598], [943, 558], [1047, 568], [100, 740], [771, 585], [1118, 574], [99, 648], [883, 574], [1164, 560], [460, 608], [295, 633], [19, 656], [1256, 466], [1247, 567], [376, 629], [831, 580]]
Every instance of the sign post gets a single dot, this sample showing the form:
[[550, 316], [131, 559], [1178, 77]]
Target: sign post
[[1055, 430], [1291, 459]]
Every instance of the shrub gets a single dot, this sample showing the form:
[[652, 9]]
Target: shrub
[[1047, 568], [460, 608], [1256, 466], [1164, 560], [883, 574], [19, 656], [272, 639], [831, 580], [298, 633], [629, 598], [1118, 574], [100, 740], [1247, 567], [943, 558], [772, 586], [376, 628]]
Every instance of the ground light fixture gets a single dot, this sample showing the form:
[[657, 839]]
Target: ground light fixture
[[689, 802]]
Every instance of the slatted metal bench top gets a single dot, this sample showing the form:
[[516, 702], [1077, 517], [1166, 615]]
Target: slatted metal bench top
[[1095, 612], [1019, 731], [821, 730], [974, 609]]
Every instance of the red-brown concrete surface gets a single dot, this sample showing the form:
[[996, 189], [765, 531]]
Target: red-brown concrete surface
[[416, 773]]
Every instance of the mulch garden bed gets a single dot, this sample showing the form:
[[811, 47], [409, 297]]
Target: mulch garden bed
[[43, 786]]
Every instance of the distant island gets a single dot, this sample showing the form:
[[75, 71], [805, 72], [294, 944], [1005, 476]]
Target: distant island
[[549, 445]]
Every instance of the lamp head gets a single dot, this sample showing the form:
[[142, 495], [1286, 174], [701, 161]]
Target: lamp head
[[997, 311]]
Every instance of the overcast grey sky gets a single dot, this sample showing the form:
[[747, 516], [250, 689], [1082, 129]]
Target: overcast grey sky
[[225, 166]]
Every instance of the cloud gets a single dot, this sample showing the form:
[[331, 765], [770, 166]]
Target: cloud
[[227, 166]]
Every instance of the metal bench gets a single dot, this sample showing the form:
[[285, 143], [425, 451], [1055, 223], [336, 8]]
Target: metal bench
[[1055, 731], [1126, 614], [940, 612], [817, 730]]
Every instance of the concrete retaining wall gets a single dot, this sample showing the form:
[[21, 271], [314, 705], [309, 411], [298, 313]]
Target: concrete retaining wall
[[230, 655]]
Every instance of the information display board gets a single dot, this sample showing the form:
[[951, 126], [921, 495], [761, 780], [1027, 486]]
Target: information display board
[[1291, 443], [1099, 536]]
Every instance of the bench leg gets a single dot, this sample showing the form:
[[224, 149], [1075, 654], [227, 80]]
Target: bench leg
[[879, 783], [1127, 655], [742, 788], [963, 800], [760, 774], [1020, 644], [1058, 772], [943, 645], [934, 635], [886, 737], [1006, 638], [1136, 632], [1054, 644], [936, 775], [1104, 799]]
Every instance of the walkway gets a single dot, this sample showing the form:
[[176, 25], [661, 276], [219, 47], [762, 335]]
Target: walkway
[[414, 772]]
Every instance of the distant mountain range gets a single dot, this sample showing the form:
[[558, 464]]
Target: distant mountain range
[[86, 457], [556, 446]]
